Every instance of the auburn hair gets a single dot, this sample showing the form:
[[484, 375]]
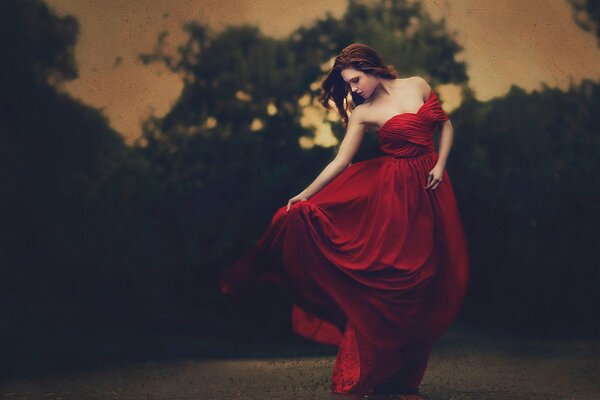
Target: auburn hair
[[360, 57]]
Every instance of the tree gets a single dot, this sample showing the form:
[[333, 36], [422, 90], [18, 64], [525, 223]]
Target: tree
[[230, 148], [70, 184], [586, 14]]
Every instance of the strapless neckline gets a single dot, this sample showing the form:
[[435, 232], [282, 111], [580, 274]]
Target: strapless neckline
[[431, 94]]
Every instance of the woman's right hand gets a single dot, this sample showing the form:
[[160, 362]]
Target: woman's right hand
[[295, 199]]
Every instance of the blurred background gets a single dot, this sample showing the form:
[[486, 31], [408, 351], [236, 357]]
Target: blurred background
[[145, 145]]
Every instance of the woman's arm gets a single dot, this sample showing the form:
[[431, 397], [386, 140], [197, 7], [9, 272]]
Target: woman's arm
[[437, 172], [446, 139], [348, 148]]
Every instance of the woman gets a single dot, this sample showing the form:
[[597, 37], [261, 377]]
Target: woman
[[373, 252]]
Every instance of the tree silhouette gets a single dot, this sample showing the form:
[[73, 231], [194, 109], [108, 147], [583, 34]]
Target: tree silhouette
[[516, 172], [586, 14], [231, 147], [526, 164], [71, 188]]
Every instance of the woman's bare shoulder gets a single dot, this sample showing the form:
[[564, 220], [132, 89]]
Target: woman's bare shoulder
[[422, 84], [362, 114], [359, 112]]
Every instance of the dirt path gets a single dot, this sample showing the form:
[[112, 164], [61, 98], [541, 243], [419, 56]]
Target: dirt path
[[465, 365]]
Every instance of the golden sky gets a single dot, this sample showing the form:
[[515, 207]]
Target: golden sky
[[506, 42]]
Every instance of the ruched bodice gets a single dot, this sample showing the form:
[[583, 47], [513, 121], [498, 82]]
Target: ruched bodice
[[411, 134]]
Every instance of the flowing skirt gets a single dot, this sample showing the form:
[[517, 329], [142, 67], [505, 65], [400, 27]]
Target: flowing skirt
[[377, 265]]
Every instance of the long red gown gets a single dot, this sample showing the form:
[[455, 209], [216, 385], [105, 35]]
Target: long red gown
[[377, 264]]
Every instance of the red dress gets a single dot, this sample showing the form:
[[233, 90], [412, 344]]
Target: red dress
[[377, 264]]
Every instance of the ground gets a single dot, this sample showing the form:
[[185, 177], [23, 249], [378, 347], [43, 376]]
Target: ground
[[466, 364]]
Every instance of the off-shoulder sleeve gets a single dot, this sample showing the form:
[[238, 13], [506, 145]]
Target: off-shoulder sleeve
[[437, 111]]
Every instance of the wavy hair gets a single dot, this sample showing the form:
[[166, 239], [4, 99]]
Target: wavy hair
[[360, 57]]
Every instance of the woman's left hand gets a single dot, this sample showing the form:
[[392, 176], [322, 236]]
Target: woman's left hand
[[435, 177]]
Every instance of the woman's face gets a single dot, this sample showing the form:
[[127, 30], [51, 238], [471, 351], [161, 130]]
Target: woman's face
[[360, 83]]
